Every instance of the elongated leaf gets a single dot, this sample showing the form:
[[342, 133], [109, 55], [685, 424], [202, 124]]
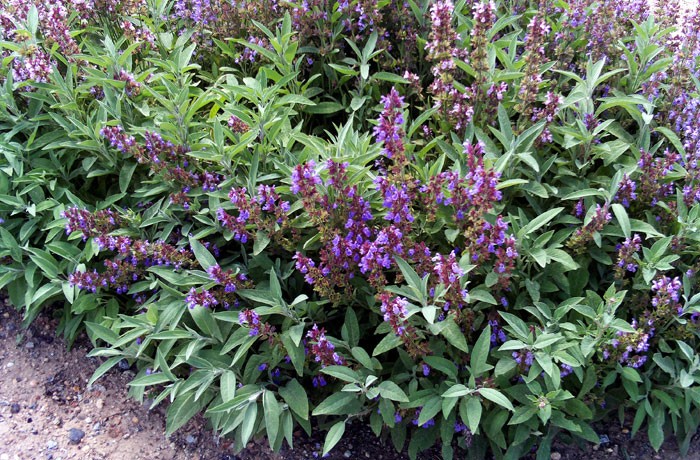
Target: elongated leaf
[[334, 435], [390, 390], [480, 353], [295, 397], [204, 257], [496, 397], [539, 221]]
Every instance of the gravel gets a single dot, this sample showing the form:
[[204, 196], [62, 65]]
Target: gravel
[[75, 435]]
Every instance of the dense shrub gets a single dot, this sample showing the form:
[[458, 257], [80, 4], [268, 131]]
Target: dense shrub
[[472, 224]]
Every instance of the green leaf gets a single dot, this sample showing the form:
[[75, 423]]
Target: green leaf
[[518, 326], [324, 108], [182, 410], [262, 239], [273, 411], [342, 372], [390, 77], [362, 357], [204, 257], [538, 222], [295, 397], [389, 342], [249, 421], [104, 367], [655, 431], [337, 404], [496, 397], [454, 335], [430, 409], [622, 219], [45, 261], [335, 434], [472, 411], [125, 177], [455, 391], [480, 353], [390, 390]]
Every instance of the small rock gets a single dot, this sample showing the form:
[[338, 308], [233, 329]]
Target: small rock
[[29, 345], [99, 403], [14, 408], [347, 454], [75, 435], [555, 456], [124, 365], [190, 439], [604, 439], [4, 457], [51, 445], [625, 431], [96, 427], [134, 420], [9, 364]]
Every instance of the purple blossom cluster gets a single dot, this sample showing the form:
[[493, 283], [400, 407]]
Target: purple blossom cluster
[[203, 298], [225, 278], [653, 186], [584, 235], [91, 224], [538, 32], [250, 319], [626, 193], [132, 88], [524, 360], [167, 160], [454, 105], [666, 298], [627, 258], [397, 199], [266, 211], [389, 130], [394, 311], [237, 125], [322, 349], [118, 275], [552, 102], [628, 348], [498, 335], [132, 259]]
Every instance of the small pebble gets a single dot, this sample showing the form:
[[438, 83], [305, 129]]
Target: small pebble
[[75, 435], [190, 439], [555, 456], [51, 445], [347, 454], [96, 427], [29, 345], [14, 408], [99, 403], [604, 439], [4, 457], [134, 420], [124, 365]]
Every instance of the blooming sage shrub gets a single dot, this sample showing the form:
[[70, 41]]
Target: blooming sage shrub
[[486, 252]]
